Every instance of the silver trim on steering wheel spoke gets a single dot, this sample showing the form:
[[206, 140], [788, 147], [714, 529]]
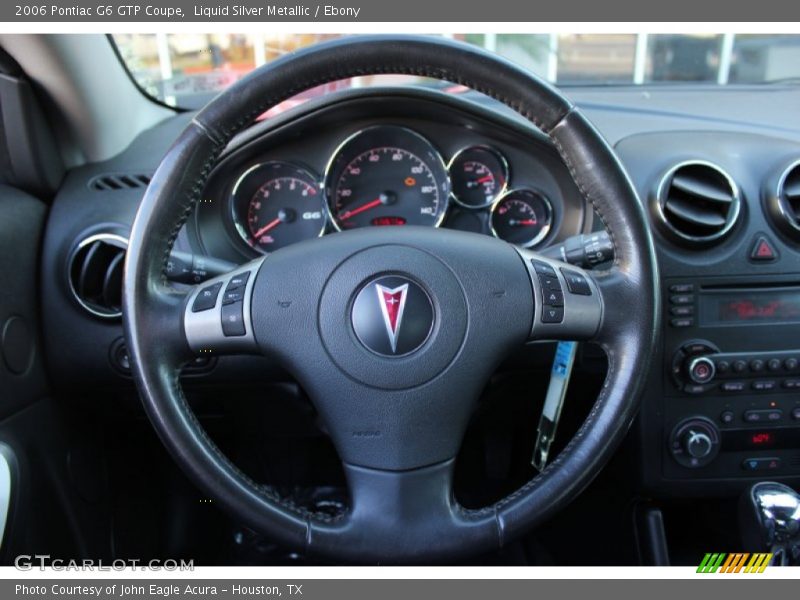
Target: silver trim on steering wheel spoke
[[203, 327], [563, 310]]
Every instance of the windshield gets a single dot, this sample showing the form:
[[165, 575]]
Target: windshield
[[188, 69]]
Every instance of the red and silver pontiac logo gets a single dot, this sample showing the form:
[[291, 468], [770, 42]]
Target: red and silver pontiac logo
[[392, 315], [392, 303]]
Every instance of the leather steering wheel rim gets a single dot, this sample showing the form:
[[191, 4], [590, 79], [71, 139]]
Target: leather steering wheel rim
[[156, 335]]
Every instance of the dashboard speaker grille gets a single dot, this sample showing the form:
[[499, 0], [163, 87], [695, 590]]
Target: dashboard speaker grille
[[95, 274], [112, 182], [697, 202]]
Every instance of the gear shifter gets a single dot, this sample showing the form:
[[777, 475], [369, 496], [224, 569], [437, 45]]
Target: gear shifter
[[769, 517]]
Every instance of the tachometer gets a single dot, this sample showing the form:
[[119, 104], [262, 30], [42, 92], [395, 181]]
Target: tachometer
[[522, 217], [386, 175], [276, 204]]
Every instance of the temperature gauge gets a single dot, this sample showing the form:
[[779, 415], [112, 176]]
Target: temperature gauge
[[478, 176], [522, 217]]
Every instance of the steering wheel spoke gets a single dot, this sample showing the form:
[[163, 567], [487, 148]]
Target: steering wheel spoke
[[217, 315], [568, 303], [392, 510]]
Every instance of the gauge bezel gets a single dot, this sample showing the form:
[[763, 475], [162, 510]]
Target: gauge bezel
[[327, 187], [500, 159], [543, 233], [241, 228]]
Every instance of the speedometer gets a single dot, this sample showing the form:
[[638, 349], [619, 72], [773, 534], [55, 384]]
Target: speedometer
[[386, 175]]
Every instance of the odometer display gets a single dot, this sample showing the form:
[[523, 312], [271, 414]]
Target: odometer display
[[386, 176]]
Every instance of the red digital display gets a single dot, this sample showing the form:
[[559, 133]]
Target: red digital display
[[762, 306], [761, 438], [383, 221]]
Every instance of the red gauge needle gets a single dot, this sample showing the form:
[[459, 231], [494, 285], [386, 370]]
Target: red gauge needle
[[267, 227], [369, 205], [526, 223], [485, 179]]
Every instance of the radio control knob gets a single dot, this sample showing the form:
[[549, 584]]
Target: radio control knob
[[697, 444], [701, 369]]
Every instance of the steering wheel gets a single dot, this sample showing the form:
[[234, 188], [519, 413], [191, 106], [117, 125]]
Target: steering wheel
[[392, 332]]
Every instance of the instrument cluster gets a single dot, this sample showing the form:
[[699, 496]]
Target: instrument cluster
[[386, 176]]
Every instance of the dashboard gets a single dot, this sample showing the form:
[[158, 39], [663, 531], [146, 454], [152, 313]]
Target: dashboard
[[719, 180]]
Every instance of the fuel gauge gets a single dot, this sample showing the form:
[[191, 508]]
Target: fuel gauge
[[478, 176], [522, 217]]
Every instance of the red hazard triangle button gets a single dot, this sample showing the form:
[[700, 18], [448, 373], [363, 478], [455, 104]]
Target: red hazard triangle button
[[763, 250]]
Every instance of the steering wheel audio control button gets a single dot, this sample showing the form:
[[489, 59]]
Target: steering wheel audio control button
[[549, 282], [552, 314], [232, 296], [542, 268], [553, 297], [238, 281], [576, 283], [233, 319], [207, 298]]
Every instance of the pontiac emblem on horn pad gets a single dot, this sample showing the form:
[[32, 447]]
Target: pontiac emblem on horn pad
[[392, 316]]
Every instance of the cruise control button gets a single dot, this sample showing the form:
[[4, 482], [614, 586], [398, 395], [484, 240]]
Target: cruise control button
[[576, 283], [552, 314], [553, 297], [542, 268], [233, 319], [206, 298]]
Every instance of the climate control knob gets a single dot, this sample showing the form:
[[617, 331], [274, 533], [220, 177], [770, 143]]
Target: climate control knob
[[697, 444], [700, 369], [694, 442]]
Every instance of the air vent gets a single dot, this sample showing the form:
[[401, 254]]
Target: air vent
[[95, 274], [784, 206], [108, 183], [697, 202]]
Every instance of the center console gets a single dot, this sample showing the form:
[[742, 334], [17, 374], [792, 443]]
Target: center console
[[732, 380]]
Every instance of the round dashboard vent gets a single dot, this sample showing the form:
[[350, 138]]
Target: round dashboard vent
[[784, 206], [95, 274], [697, 202]]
